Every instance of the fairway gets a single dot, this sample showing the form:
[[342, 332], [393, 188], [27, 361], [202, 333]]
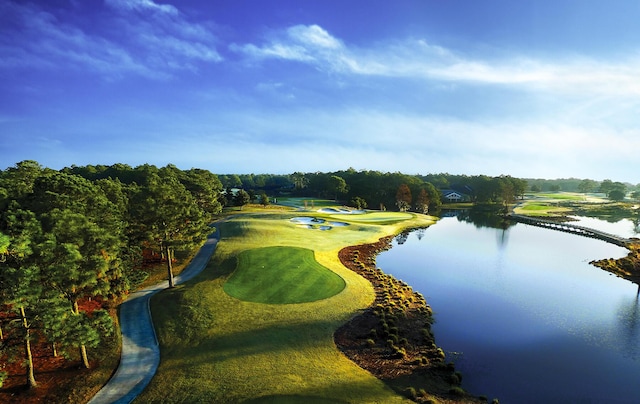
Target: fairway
[[281, 275], [221, 343], [376, 217]]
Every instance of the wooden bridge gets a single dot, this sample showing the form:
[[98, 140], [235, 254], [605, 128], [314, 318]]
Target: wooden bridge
[[571, 228]]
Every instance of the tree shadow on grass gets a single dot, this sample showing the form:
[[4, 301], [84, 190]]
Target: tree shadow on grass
[[293, 399]]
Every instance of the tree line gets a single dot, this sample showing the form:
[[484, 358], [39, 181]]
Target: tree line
[[379, 190], [614, 190], [72, 241]]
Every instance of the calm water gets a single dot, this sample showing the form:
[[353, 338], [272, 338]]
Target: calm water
[[522, 313]]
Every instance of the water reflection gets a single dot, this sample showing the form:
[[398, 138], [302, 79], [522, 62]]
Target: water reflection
[[484, 216], [629, 324], [402, 237], [521, 310]]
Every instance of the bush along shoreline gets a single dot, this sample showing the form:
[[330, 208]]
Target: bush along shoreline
[[392, 338], [627, 267]]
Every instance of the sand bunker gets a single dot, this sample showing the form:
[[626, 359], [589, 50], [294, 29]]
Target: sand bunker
[[307, 220], [316, 223], [343, 211]]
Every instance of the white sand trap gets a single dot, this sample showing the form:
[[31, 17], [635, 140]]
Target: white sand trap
[[342, 211], [307, 220], [314, 223]]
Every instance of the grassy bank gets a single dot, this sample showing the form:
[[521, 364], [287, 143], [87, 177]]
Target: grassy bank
[[218, 348]]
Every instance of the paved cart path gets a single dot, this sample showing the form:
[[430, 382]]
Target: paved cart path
[[140, 351]]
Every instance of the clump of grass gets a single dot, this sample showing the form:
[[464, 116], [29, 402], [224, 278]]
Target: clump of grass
[[412, 393], [457, 391]]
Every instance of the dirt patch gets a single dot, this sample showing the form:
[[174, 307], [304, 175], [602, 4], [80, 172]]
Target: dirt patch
[[392, 339], [60, 379]]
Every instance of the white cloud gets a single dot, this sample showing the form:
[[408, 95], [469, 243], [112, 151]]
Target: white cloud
[[418, 59], [153, 40], [165, 36], [301, 43], [46, 41], [311, 140], [143, 5]]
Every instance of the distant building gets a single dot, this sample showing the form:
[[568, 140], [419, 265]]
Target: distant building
[[452, 196]]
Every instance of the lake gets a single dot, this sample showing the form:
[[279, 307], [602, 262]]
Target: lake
[[522, 313]]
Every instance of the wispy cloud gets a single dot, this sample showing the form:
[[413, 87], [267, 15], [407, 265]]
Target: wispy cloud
[[40, 39], [143, 6], [142, 37], [164, 35], [418, 59]]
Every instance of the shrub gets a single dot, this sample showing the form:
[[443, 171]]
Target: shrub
[[399, 352], [371, 342], [457, 391], [411, 393], [455, 379], [3, 376], [458, 375]]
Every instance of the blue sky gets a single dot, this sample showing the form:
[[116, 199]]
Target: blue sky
[[544, 89]]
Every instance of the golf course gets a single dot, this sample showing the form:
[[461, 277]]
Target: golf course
[[257, 325]]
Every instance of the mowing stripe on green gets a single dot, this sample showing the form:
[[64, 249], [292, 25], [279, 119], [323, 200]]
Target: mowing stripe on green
[[282, 275]]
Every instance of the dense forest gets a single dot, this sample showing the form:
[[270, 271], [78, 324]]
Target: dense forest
[[73, 241], [378, 190]]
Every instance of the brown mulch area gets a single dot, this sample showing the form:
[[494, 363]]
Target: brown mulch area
[[60, 380], [392, 339]]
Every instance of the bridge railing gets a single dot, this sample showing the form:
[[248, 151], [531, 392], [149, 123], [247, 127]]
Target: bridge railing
[[571, 228]]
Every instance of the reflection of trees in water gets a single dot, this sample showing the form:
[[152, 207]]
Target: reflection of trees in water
[[629, 325], [502, 238], [402, 237], [484, 216], [420, 233], [609, 213]]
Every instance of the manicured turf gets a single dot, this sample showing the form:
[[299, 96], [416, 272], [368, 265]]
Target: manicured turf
[[375, 217], [281, 275], [219, 349], [534, 206], [565, 196]]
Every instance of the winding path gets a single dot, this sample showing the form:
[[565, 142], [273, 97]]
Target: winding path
[[140, 354]]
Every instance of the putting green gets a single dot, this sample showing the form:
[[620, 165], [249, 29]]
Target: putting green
[[282, 275], [375, 217]]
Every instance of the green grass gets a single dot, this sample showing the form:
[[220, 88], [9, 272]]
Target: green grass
[[536, 207], [541, 209], [216, 348], [564, 196], [282, 275], [374, 217], [298, 202]]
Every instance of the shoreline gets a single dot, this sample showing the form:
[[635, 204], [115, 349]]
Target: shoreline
[[392, 338]]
